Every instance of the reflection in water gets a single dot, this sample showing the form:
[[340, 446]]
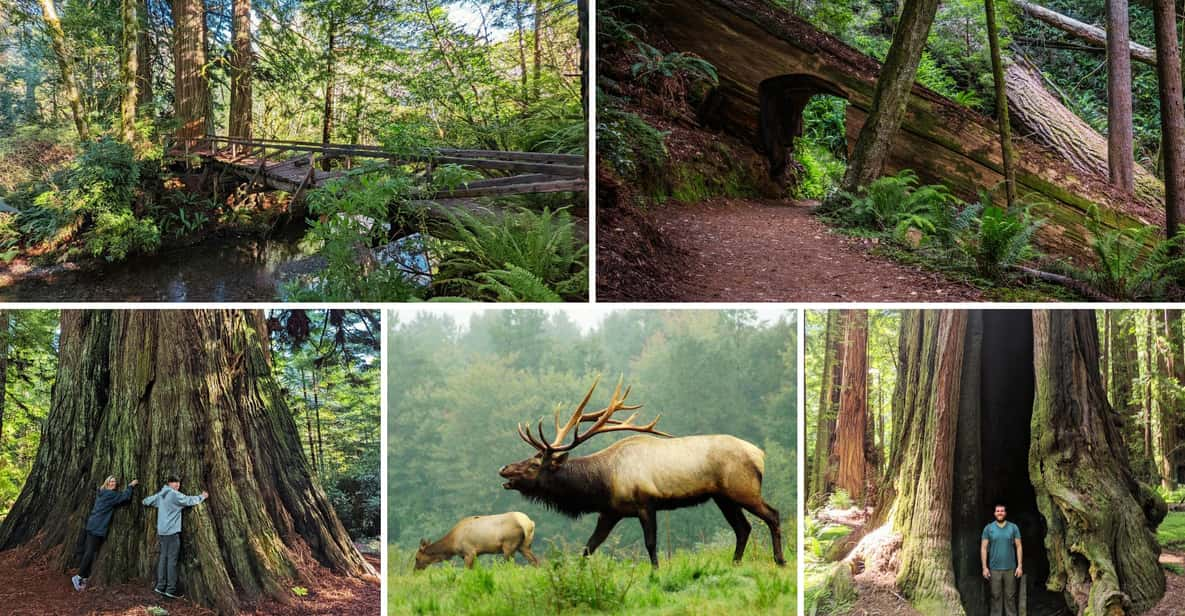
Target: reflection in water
[[221, 270]]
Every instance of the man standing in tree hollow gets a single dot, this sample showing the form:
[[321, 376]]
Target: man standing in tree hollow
[[1001, 554], [169, 503]]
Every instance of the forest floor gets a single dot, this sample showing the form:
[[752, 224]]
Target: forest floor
[[759, 250], [33, 588]]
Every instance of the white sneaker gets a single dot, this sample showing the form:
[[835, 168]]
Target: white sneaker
[[77, 581]]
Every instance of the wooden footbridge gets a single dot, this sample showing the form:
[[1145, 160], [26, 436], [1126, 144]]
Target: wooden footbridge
[[298, 166]]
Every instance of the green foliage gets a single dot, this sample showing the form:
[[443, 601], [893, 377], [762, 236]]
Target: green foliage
[[300, 591], [115, 235], [840, 500], [1126, 268], [897, 203], [821, 172], [156, 610], [28, 340], [566, 583], [105, 177], [994, 239], [634, 149], [523, 256], [677, 65], [1171, 532]]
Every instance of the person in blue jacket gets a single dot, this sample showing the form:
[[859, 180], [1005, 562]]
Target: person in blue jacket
[[98, 522], [169, 503]]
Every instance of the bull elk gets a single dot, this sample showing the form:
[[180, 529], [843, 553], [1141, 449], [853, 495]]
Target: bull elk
[[505, 534], [638, 476]]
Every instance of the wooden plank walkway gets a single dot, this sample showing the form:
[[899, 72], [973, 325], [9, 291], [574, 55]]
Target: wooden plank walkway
[[295, 166]]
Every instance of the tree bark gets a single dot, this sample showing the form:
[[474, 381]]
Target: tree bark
[[1006, 151], [1173, 371], [330, 79], [242, 61], [191, 94], [851, 424], [889, 99], [5, 344], [143, 62], [1100, 537], [66, 67], [1120, 153], [821, 471], [1172, 114], [537, 69], [1086, 32], [128, 70], [142, 394]]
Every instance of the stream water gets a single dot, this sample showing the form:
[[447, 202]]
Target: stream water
[[234, 269]]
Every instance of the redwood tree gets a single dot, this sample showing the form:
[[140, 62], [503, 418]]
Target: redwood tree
[[191, 94], [821, 475], [891, 95], [242, 60], [1172, 114], [1009, 406], [1119, 96], [851, 424], [142, 394]]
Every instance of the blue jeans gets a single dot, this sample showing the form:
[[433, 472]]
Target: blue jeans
[[166, 566]]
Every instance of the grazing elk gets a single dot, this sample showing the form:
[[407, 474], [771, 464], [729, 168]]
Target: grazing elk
[[505, 534], [641, 475]]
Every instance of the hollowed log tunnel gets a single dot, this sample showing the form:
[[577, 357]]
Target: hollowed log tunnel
[[1009, 406], [770, 63]]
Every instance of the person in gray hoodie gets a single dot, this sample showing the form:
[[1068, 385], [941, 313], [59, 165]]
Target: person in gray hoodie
[[96, 525], [169, 503]]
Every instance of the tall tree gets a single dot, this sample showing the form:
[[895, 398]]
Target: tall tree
[[148, 393], [1172, 114], [144, 61], [1171, 377], [1002, 121], [128, 69], [1120, 155], [851, 424], [191, 93], [822, 475], [891, 95], [65, 66], [241, 61]]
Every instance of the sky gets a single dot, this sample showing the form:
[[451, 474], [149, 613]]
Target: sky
[[587, 316]]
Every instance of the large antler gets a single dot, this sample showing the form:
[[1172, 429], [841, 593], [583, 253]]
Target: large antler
[[602, 421]]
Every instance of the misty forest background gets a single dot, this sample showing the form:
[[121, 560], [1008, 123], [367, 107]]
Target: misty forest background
[[457, 390], [326, 361]]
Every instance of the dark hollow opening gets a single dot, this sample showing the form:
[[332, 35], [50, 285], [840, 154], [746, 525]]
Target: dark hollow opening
[[992, 458], [781, 102]]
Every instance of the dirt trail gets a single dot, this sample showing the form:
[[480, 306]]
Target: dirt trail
[[35, 589], [766, 251]]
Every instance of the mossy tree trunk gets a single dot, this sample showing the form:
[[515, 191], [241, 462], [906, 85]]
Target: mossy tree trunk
[[1125, 364], [128, 68], [1172, 370], [144, 61], [891, 94], [1102, 549], [851, 424], [822, 476], [142, 394], [61, 53]]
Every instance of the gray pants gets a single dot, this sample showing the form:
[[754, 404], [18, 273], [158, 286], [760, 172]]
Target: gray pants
[[166, 566], [1004, 592]]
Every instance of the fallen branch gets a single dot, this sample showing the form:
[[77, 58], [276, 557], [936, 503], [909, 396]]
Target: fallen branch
[[1076, 286], [1084, 31]]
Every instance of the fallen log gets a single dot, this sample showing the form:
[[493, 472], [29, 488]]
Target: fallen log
[[1084, 31]]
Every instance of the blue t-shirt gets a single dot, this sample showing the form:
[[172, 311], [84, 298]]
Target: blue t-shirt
[[1001, 545]]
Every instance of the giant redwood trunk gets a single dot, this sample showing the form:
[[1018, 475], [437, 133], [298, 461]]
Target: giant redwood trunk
[[891, 95], [142, 394], [242, 60], [851, 423], [1008, 406], [191, 93]]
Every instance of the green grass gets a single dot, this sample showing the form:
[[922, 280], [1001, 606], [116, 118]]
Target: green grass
[[689, 583], [1171, 532]]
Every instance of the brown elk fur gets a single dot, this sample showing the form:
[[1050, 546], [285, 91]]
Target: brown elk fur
[[505, 533]]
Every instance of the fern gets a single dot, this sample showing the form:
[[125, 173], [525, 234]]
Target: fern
[[515, 284], [1126, 269], [994, 239]]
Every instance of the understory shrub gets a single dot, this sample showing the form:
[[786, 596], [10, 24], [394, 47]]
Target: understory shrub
[[635, 150], [1126, 267], [994, 239], [896, 203], [115, 235]]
